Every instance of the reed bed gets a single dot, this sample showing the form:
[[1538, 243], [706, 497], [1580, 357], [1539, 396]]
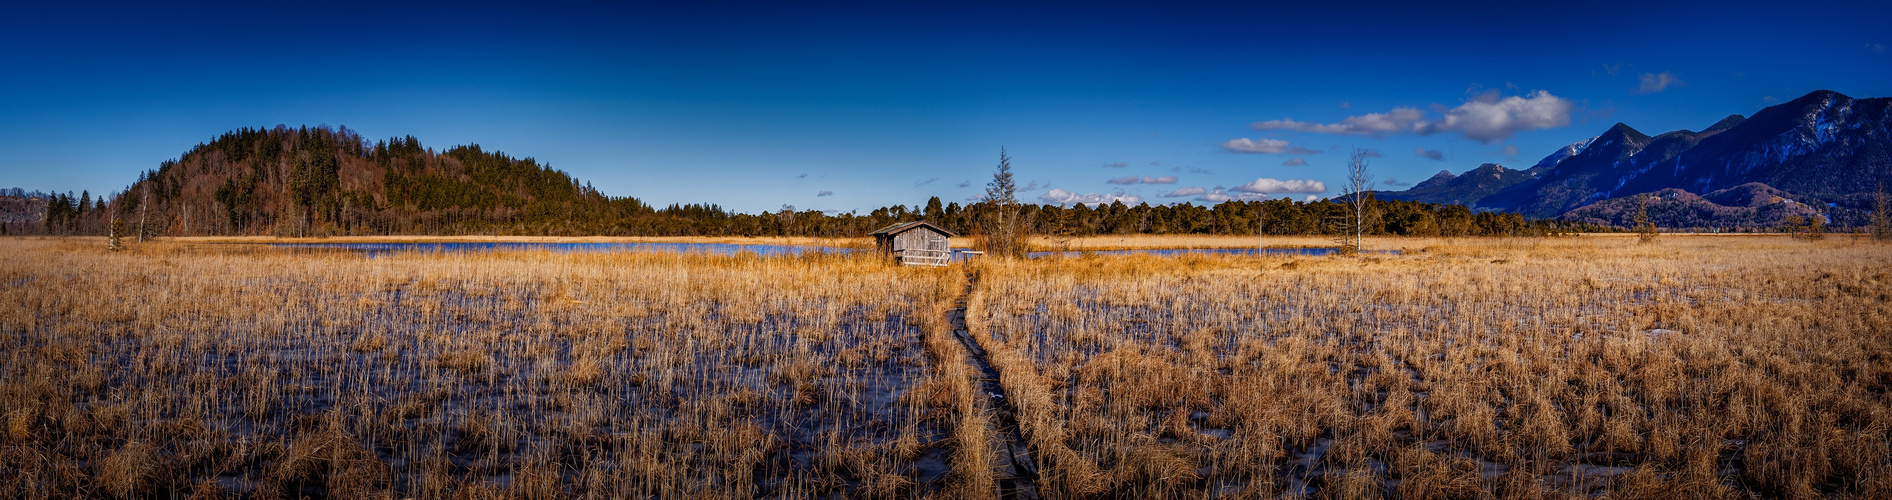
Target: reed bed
[[175, 370], [1527, 367], [1515, 368]]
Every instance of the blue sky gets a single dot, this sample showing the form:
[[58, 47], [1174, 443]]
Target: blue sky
[[758, 106]]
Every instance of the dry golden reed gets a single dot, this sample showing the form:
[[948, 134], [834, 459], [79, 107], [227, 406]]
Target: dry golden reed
[[219, 370], [1698, 366], [1514, 368]]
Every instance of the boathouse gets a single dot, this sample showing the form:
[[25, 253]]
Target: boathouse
[[917, 243]]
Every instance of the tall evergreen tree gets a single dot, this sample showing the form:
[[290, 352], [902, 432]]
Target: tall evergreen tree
[[1006, 226]]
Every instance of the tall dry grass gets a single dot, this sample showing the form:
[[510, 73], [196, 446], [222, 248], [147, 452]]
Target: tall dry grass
[[1521, 367], [179, 370], [1698, 367]]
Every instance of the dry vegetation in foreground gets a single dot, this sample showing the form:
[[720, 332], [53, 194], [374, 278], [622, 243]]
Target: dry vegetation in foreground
[[173, 370], [1692, 367]]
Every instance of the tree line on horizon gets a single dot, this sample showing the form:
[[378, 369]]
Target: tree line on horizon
[[330, 182]]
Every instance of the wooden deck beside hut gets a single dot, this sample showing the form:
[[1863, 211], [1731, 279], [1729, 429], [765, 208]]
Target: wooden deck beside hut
[[917, 243]]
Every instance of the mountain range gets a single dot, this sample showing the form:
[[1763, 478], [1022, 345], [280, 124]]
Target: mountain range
[[1824, 151]]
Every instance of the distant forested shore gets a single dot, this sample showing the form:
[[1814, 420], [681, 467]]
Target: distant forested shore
[[330, 182]]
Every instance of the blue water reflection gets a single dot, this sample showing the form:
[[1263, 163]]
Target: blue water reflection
[[374, 249], [1202, 251]]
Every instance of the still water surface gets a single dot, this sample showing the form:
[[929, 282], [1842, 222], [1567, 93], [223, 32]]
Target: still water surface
[[732, 249], [460, 246]]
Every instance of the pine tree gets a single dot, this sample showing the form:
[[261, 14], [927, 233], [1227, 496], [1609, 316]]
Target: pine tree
[[1005, 227], [78, 216], [934, 212], [1645, 230]]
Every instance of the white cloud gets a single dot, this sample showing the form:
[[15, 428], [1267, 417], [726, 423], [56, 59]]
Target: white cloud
[[1266, 185], [1167, 179], [1430, 154], [1509, 150], [1264, 146], [1396, 183], [1397, 120], [925, 182], [1875, 47], [1188, 191], [824, 193], [1657, 82], [1490, 119], [1311, 198], [1219, 195], [1294, 162], [965, 183], [1116, 165], [1062, 197], [1485, 118]]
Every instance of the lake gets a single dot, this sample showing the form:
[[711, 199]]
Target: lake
[[430, 247], [1203, 251], [733, 248]]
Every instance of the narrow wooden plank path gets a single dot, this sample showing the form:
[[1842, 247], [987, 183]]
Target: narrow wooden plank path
[[1017, 475]]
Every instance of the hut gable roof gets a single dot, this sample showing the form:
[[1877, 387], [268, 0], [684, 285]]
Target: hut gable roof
[[908, 226]]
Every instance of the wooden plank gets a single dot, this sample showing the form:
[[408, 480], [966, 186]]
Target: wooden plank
[[924, 257]]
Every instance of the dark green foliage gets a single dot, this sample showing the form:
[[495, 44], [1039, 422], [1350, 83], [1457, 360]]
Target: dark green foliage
[[238, 196], [61, 214], [1645, 230], [322, 181], [1006, 223]]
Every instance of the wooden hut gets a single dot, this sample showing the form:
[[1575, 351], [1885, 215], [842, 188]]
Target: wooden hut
[[917, 243]]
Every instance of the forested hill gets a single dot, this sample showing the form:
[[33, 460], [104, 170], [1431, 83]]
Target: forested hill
[[330, 182], [321, 181]]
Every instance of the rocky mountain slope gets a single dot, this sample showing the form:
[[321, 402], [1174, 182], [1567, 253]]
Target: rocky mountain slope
[[1824, 150]]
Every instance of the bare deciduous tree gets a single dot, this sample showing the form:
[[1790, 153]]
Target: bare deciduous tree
[[112, 227], [144, 204], [1358, 198], [1881, 221]]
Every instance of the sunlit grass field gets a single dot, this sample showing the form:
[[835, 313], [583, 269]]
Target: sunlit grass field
[[1694, 366], [1519, 367]]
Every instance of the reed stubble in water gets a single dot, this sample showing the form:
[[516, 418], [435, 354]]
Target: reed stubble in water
[[208, 370], [1692, 366]]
